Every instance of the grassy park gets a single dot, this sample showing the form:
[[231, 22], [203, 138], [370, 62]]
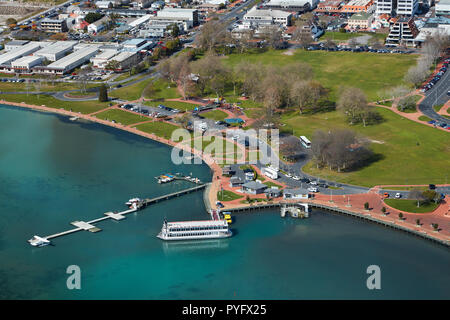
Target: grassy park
[[406, 152], [215, 115], [226, 195], [159, 128], [84, 107], [120, 116], [131, 92], [411, 205], [371, 72], [182, 106]]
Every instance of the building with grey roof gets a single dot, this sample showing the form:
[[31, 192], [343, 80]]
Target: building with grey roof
[[253, 187], [69, 62], [56, 50]]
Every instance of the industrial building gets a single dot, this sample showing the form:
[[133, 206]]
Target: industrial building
[[102, 59], [56, 50], [24, 64], [15, 44], [443, 8], [70, 62], [189, 16], [292, 5], [268, 16], [8, 57], [125, 60]]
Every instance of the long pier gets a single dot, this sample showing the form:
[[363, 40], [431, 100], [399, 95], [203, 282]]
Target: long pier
[[89, 225], [337, 210]]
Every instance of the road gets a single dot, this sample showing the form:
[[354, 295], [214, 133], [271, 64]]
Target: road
[[437, 95]]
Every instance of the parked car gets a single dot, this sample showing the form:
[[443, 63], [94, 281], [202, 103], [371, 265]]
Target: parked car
[[313, 189], [398, 195]]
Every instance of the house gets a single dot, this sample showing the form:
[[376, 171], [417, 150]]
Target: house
[[236, 182], [382, 21], [253, 187], [99, 25], [298, 193], [104, 4], [360, 20], [292, 5], [273, 192], [81, 25]]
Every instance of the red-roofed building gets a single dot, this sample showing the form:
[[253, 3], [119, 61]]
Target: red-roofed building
[[329, 6]]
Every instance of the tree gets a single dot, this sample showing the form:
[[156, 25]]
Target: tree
[[92, 17], [339, 149], [353, 103], [407, 103], [10, 21], [400, 216], [435, 226], [112, 65], [302, 38], [383, 210], [366, 205], [416, 194], [174, 30], [274, 36], [103, 93], [418, 222], [212, 34]]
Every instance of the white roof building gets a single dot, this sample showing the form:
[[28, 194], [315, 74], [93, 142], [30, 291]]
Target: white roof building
[[268, 16], [294, 5], [100, 60], [443, 7], [7, 58], [15, 44], [141, 20], [56, 50], [71, 61], [26, 63]]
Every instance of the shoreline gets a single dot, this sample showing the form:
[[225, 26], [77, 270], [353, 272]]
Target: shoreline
[[216, 170]]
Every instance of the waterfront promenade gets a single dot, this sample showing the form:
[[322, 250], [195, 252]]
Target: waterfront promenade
[[440, 216]]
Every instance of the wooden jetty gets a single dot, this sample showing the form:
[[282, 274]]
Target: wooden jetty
[[89, 225]]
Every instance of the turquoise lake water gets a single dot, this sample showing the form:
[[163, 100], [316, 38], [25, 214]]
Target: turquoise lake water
[[54, 171]]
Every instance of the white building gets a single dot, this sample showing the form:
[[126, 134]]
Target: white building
[[70, 62], [101, 60], [268, 16], [56, 50], [292, 5], [189, 15], [8, 57], [407, 7], [385, 6], [400, 7], [25, 64], [15, 44], [98, 25], [443, 8], [125, 60], [104, 4]]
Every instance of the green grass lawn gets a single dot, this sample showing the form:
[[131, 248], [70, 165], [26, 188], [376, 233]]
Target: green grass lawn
[[132, 92], [217, 115], [45, 87], [76, 106], [271, 184], [121, 116], [370, 72], [408, 152], [438, 107], [411, 205], [387, 103], [424, 118], [422, 188], [161, 129], [162, 89], [226, 195]]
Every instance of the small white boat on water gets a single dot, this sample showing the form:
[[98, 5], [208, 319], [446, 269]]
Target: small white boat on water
[[133, 201], [37, 241], [73, 118]]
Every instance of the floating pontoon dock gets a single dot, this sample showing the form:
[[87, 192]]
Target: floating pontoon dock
[[89, 225]]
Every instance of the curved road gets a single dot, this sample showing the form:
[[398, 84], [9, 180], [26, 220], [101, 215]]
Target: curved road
[[437, 95]]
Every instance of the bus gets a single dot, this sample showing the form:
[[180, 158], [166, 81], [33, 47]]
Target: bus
[[305, 142]]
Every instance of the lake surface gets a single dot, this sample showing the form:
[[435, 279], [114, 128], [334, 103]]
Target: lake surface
[[54, 171]]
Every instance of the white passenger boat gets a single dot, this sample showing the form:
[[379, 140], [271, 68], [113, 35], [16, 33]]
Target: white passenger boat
[[190, 230], [37, 241], [132, 201]]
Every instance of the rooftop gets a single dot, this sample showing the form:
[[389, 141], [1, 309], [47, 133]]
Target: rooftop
[[254, 185], [267, 13], [73, 57]]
